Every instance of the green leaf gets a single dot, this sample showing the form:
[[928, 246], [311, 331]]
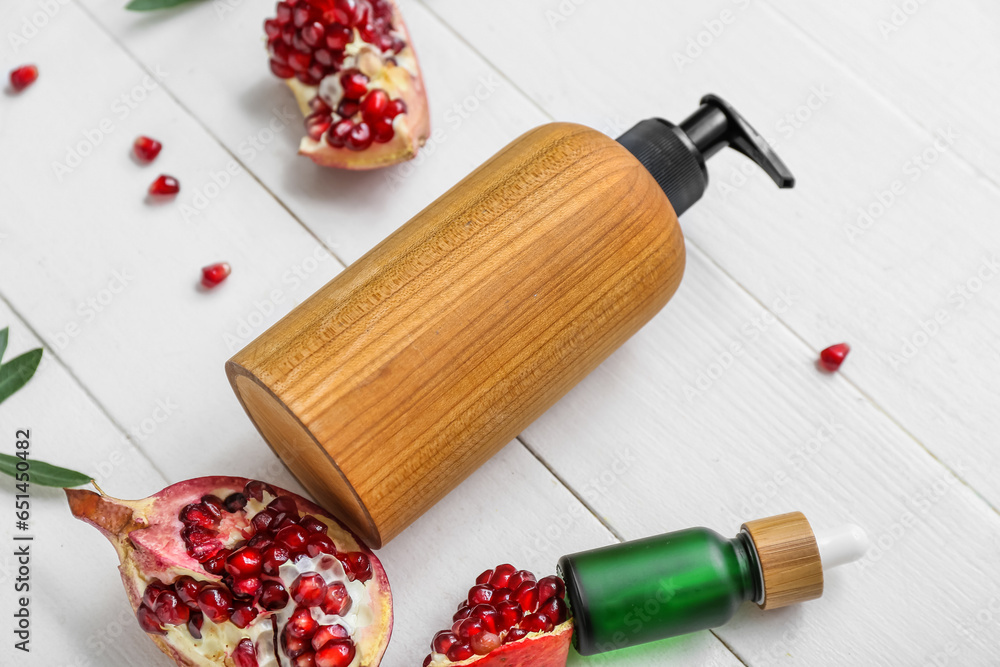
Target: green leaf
[[16, 372], [3, 341], [44, 474], [150, 5]]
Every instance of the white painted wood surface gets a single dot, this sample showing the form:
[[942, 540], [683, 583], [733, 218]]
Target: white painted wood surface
[[905, 446]]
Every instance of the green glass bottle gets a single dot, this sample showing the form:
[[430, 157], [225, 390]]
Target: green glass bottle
[[642, 591]]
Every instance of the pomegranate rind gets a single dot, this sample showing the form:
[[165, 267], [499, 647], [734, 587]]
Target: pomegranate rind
[[146, 535], [412, 129], [539, 649]]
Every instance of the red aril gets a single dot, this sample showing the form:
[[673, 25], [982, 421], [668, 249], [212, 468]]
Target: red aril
[[351, 61], [164, 186], [23, 76], [493, 629], [241, 610], [832, 357], [210, 277], [146, 149]]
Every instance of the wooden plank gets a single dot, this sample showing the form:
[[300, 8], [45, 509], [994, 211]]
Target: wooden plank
[[67, 428]]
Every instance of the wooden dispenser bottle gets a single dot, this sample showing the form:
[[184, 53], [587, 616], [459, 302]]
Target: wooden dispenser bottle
[[405, 373]]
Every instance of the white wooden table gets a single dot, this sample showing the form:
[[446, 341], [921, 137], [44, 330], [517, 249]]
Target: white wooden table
[[857, 95]]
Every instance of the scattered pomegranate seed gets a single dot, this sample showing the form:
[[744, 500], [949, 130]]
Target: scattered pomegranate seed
[[23, 76], [212, 276], [165, 185], [146, 149], [832, 357]]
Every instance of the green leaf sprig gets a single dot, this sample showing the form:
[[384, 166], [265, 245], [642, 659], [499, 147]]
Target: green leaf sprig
[[44, 474], [150, 5], [16, 372]]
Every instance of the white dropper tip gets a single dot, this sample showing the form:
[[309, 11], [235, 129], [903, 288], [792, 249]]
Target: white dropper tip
[[838, 546]]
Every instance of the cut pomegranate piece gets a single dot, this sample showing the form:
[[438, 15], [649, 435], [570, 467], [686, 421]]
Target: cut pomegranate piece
[[212, 276], [196, 567], [491, 629], [165, 186], [354, 56], [23, 76], [832, 357], [146, 149]]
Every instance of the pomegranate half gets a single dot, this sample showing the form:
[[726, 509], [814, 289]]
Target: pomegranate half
[[508, 619], [230, 571], [355, 76]]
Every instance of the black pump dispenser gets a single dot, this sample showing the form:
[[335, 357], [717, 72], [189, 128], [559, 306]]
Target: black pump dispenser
[[675, 154]]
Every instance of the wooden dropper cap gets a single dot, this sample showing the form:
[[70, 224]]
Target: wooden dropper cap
[[790, 564]]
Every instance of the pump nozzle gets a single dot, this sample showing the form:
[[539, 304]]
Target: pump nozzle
[[675, 154]]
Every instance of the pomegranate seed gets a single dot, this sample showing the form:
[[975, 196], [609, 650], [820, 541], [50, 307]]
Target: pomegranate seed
[[338, 36], [313, 34], [148, 621], [537, 623], [336, 654], [235, 502], [328, 633], [284, 505], [443, 641], [284, 13], [484, 578], [460, 652], [307, 659], [428, 660], [274, 557], [488, 615], [463, 612], [260, 541], [519, 578], [256, 490], [309, 589], [293, 537], [245, 562], [194, 624], [302, 625], [395, 108], [281, 70], [313, 525], [146, 149], [201, 542], [480, 594], [484, 643], [217, 563], [293, 646], [164, 186], [374, 105], [214, 274], [23, 76], [152, 592], [336, 600], [527, 596], [197, 514], [215, 603], [262, 521], [550, 587], [320, 543], [324, 58], [501, 595], [170, 610], [187, 590], [243, 613], [382, 130], [357, 565], [510, 615], [319, 104], [468, 628], [300, 15], [272, 28], [245, 654], [514, 635], [832, 357], [337, 136], [348, 108], [247, 587], [360, 137], [273, 596], [299, 61], [554, 609], [214, 505], [347, 12], [500, 576], [355, 84]]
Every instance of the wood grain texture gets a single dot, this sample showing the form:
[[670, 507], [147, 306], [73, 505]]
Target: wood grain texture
[[426, 356], [789, 559]]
